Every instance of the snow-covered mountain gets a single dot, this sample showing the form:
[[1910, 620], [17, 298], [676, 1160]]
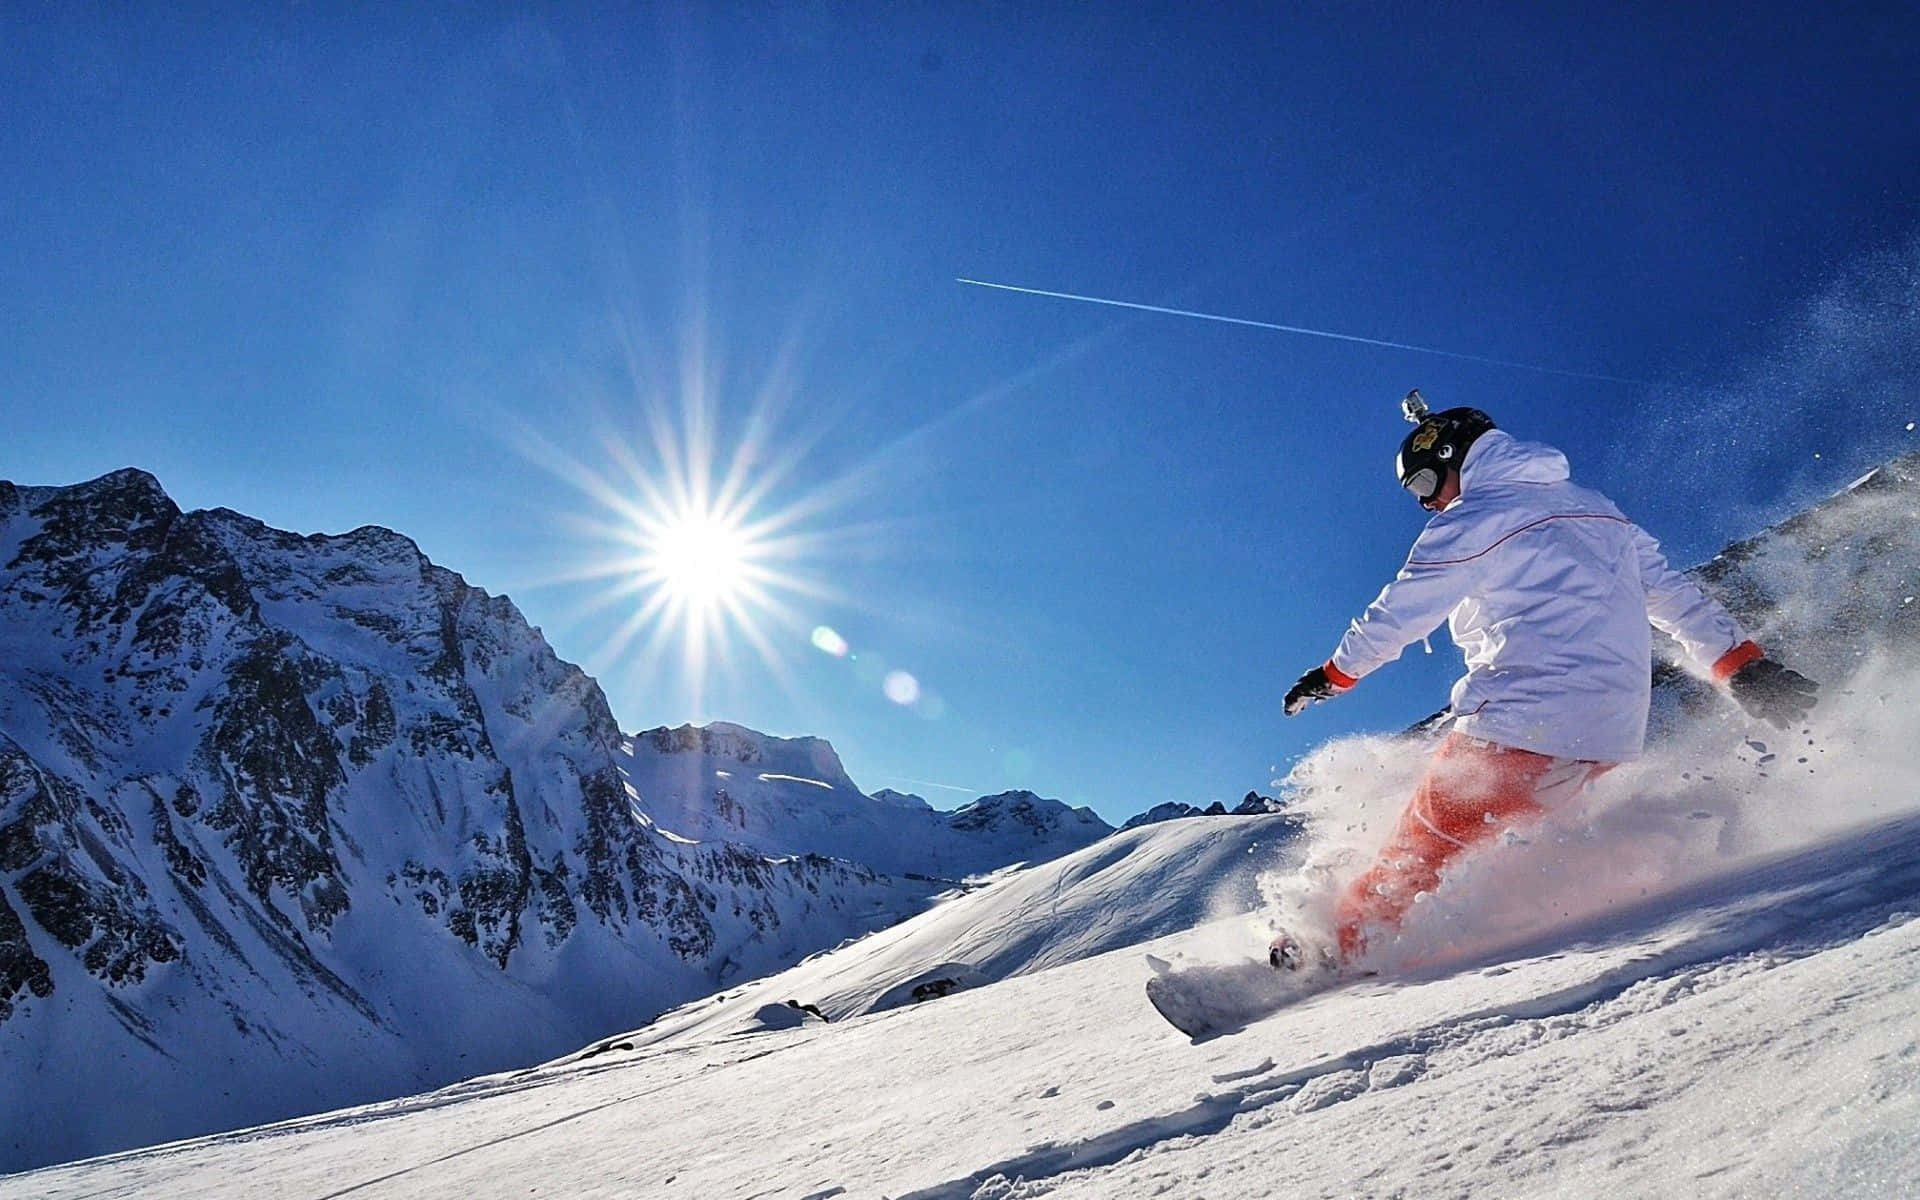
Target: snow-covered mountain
[[791, 796], [1701, 981], [289, 822]]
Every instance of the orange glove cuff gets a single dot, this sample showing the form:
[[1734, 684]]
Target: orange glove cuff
[[1731, 662]]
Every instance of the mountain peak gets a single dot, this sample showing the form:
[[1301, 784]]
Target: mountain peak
[[805, 758], [126, 480], [123, 502], [1022, 807]]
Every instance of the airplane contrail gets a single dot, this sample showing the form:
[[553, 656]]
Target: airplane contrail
[[945, 787], [1319, 333]]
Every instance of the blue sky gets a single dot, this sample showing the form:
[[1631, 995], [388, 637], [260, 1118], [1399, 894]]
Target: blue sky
[[439, 268]]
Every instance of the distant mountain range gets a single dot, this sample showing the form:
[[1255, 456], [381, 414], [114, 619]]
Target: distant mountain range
[[290, 822], [1253, 804], [783, 796]]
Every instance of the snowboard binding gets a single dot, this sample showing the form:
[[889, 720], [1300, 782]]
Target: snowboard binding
[[1286, 953]]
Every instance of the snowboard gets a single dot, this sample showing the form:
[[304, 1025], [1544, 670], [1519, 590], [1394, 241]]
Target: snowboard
[[1209, 1000]]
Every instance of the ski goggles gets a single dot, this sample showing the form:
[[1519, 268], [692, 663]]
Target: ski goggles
[[1424, 484]]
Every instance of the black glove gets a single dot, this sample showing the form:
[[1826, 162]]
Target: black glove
[[1314, 685], [1780, 696]]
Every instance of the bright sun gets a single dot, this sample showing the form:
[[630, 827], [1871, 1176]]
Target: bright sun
[[701, 559], [709, 573], [707, 553]]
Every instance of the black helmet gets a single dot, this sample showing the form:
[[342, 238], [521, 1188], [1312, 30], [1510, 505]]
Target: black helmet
[[1439, 442]]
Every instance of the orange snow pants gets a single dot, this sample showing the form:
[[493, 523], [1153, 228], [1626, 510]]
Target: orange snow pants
[[1472, 790]]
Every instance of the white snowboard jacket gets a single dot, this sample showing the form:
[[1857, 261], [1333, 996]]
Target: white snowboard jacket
[[1548, 590]]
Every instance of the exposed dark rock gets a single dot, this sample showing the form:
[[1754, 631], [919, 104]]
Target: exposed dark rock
[[376, 726], [181, 861], [1016, 808], [21, 970], [277, 765], [118, 940], [1254, 804], [1172, 810], [432, 890], [60, 906], [558, 915], [494, 893]]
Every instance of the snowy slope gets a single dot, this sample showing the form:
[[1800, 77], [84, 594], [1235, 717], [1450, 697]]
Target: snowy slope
[[1750, 1035], [290, 822], [1700, 980], [791, 796], [1126, 890]]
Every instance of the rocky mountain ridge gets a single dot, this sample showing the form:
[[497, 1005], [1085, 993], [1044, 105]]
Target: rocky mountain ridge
[[785, 796], [293, 821], [1251, 805]]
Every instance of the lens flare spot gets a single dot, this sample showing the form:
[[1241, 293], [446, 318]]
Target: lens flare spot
[[901, 688], [827, 641]]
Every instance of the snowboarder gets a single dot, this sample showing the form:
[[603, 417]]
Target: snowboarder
[[1547, 590]]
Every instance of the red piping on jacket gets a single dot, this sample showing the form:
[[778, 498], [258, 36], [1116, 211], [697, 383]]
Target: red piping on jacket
[[1451, 562]]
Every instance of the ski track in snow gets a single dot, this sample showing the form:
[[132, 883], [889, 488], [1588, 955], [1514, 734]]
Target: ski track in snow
[[1788, 921]]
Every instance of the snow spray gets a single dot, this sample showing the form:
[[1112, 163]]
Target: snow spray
[[1716, 790]]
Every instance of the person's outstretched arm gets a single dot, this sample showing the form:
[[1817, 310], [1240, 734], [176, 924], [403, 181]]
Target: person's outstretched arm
[[1715, 641], [1678, 607], [1406, 610]]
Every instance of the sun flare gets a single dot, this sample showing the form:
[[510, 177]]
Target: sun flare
[[708, 573], [701, 559], [710, 534]]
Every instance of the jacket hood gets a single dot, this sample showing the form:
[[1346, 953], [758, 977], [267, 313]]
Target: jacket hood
[[1498, 457]]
